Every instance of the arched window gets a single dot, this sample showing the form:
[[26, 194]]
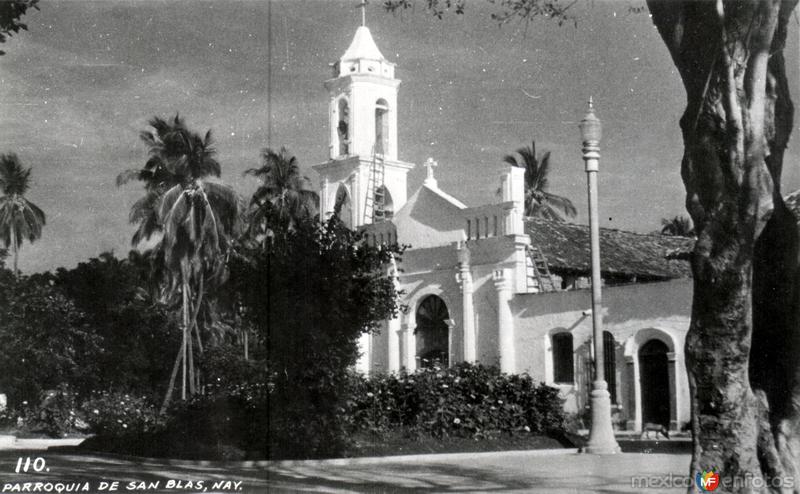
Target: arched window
[[344, 206], [381, 126], [343, 127], [610, 364], [563, 358]]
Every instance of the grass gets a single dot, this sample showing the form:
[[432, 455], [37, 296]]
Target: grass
[[398, 443]]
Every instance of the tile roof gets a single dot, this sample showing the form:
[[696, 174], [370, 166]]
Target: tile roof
[[623, 254], [793, 203]]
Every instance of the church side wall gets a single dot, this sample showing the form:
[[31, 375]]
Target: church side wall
[[633, 314]]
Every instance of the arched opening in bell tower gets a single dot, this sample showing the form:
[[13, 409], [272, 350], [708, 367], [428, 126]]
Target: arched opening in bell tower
[[381, 126], [344, 207], [343, 127], [387, 203]]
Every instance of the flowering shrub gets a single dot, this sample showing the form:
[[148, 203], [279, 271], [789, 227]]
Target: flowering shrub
[[115, 413], [55, 413], [464, 400]]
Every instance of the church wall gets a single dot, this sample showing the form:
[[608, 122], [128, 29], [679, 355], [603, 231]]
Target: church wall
[[426, 272], [428, 220], [633, 314]]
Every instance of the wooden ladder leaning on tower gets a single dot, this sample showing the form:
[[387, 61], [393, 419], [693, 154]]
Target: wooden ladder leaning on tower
[[375, 202]]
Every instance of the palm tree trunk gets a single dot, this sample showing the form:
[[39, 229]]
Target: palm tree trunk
[[190, 351], [15, 250], [171, 385], [246, 346], [194, 329], [200, 292], [186, 323]]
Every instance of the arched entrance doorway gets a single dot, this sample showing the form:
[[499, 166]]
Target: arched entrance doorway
[[654, 381], [432, 332]]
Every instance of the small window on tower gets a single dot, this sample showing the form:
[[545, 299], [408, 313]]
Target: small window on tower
[[343, 128], [381, 126]]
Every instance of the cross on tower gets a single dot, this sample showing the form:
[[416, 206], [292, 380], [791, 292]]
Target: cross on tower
[[363, 7], [430, 164]]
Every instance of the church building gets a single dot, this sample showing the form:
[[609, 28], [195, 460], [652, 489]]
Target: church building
[[488, 284]]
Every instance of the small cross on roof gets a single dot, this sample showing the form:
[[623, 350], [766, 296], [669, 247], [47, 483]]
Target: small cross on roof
[[430, 164], [363, 7]]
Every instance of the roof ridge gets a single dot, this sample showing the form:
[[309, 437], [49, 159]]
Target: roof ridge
[[608, 229]]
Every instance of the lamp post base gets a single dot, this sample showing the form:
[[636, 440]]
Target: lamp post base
[[601, 436]]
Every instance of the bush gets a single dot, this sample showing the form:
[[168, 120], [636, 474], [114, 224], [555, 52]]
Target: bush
[[116, 413], [325, 288], [465, 400], [225, 370], [228, 426]]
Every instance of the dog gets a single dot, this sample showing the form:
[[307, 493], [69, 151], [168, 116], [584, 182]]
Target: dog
[[657, 428]]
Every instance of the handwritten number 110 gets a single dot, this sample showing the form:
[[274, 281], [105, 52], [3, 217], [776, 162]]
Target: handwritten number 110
[[37, 464]]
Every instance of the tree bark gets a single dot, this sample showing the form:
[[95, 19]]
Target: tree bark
[[171, 385], [186, 322], [741, 348], [15, 249]]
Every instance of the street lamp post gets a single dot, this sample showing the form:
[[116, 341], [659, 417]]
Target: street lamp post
[[601, 435]]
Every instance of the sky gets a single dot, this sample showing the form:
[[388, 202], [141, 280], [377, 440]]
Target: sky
[[78, 88]]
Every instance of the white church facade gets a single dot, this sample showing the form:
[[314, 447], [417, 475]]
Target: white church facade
[[486, 284]]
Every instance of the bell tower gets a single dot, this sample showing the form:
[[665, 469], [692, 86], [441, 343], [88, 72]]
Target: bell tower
[[363, 173]]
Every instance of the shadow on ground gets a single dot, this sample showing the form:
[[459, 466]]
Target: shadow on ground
[[496, 473], [71, 467]]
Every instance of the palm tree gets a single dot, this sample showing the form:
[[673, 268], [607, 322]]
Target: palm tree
[[194, 214], [19, 218], [283, 189], [679, 226], [538, 201]]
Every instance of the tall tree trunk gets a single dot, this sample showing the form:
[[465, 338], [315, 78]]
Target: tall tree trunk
[[246, 344], [741, 348], [186, 323], [200, 293], [171, 385], [15, 250], [190, 351]]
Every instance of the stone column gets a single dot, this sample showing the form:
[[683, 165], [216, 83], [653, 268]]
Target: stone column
[[356, 201], [468, 312], [673, 394], [411, 348], [632, 423], [505, 321], [393, 336], [451, 324], [393, 326], [323, 198]]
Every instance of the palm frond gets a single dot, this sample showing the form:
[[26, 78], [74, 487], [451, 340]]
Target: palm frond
[[128, 175], [14, 178]]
